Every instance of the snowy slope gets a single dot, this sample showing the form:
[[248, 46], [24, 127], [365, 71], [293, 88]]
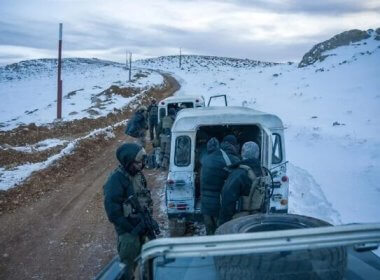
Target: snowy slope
[[331, 111], [28, 90]]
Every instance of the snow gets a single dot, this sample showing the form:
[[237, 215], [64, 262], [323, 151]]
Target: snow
[[29, 93], [330, 110], [11, 177], [334, 169], [38, 147]]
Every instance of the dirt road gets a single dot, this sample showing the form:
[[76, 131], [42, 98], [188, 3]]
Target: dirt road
[[64, 233]]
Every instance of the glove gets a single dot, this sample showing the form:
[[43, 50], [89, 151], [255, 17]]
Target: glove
[[139, 229]]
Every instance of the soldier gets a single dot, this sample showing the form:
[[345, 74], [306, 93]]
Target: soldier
[[153, 119], [213, 175], [244, 190], [137, 126], [165, 136], [127, 180]]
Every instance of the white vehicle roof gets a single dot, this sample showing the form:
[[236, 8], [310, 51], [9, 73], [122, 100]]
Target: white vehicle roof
[[183, 98], [263, 242], [191, 119]]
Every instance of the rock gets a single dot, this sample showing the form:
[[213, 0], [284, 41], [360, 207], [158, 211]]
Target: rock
[[338, 123], [342, 39]]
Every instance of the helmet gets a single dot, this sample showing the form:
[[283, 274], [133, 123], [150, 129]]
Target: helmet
[[142, 109]]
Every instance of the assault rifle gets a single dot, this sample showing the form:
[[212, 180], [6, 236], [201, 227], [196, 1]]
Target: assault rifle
[[144, 215]]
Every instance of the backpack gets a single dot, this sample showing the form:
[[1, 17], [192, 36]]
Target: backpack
[[167, 123], [257, 194]]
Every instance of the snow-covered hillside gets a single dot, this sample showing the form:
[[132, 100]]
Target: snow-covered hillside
[[28, 90], [330, 109]]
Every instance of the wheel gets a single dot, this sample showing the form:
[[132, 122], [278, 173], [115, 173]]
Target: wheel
[[325, 263], [177, 227]]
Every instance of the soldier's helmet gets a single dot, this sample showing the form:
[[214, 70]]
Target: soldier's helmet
[[250, 150], [142, 109]]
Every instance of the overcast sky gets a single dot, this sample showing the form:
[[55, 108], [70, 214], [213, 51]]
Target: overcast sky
[[268, 30]]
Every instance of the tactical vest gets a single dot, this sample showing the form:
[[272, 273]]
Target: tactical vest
[[254, 200], [142, 193], [167, 123], [153, 113]]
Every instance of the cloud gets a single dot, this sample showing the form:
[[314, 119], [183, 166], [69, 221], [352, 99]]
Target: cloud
[[264, 30], [325, 7]]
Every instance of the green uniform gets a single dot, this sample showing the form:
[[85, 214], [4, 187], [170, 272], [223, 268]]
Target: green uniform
[[165, 140], [119, 187]]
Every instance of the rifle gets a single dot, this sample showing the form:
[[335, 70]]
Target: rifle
[[144, 215]]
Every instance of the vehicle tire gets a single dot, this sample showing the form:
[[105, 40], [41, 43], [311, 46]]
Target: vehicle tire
[[325, 263], [177, 227]]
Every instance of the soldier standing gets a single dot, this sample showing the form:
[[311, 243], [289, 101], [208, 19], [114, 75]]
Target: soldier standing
[[213, 174], [165, 137], [124, 181], [137, 126], [244, 190], [153, 119]]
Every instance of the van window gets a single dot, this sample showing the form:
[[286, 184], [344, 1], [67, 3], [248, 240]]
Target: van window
[[276, 148], [182, 154]]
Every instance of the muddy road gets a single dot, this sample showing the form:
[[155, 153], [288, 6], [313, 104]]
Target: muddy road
[[55, 227]]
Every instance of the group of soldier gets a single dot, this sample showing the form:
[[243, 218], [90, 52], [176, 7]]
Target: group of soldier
[[231, 183], [159, 132], [226, 177], [127, 181]]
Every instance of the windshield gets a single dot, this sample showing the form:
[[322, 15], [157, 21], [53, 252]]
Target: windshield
[[325, 263]]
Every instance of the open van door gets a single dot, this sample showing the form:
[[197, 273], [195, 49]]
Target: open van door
[[217, 96], [266, 147]]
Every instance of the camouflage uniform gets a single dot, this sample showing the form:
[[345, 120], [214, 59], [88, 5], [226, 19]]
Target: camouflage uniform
[[165, 140], [121, 184]]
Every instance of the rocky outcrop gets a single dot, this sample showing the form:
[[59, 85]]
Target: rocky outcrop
[[342, 39], [377, 34]]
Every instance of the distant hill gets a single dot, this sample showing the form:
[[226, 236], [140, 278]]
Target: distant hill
[[319, 52], [198, 62], [48, 67]]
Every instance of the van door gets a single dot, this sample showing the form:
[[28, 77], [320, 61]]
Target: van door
[[266, 147], [216, 97]]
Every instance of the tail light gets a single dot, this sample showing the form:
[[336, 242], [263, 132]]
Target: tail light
[[162, 103], [196, 100], [284, 202], [285, 179], [181, 206], [170, 182]]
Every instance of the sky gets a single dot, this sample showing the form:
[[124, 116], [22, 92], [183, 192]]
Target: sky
[[267, 30]]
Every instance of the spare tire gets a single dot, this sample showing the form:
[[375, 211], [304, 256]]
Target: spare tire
[[325, 263]]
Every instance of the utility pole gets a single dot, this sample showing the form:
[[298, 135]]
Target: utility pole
[[180, 57], [130, 65], [126, 59], [59, 84]]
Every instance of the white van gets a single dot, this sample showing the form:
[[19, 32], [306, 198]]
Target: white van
[[192, 128], [178, 103]]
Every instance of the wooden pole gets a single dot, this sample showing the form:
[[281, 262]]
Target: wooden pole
[[59, 82]]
